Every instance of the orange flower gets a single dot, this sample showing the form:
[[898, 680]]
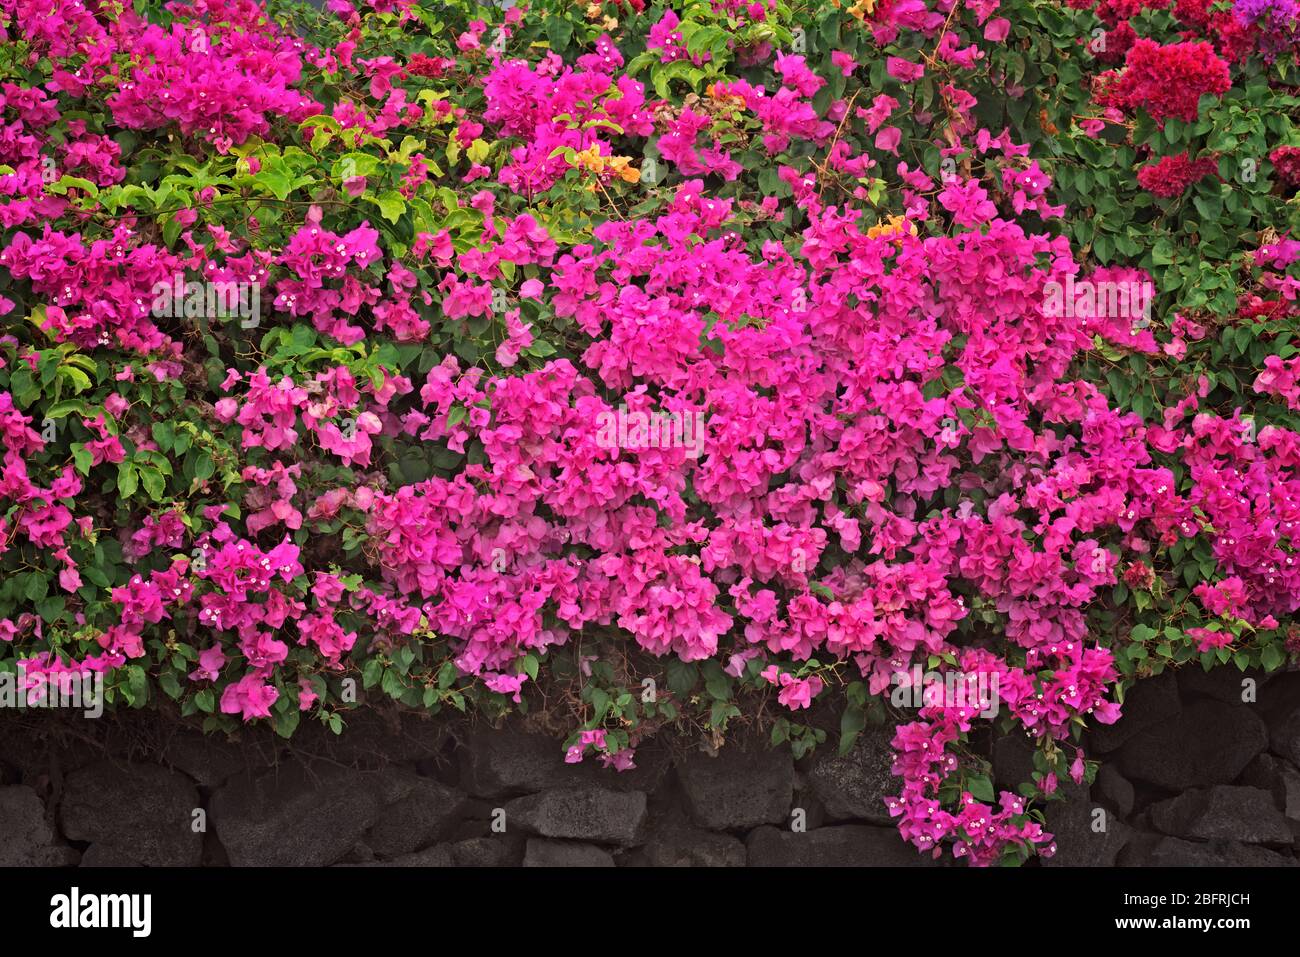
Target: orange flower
[[622, 168], [591, 159], [892, 229]]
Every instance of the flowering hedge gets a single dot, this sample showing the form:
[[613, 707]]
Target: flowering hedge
[[631, 362]]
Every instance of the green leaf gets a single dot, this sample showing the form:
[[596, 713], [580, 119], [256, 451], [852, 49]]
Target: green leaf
[[716, 682], [682, 676], [981, 788], [36, 586], [61, 186], [559, 31], [275, 177], [392, 205], [287, 723], [153, 482], [163, 435], [1142, 633], [528, 665], [79, 380], [446, 676], [127, 480], [852, 722], [60, 410], [83, 460], [391, 684], [136, 690]]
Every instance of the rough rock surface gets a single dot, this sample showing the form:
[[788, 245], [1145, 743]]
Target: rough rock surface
[[26, 838], [294, 816], [1208, 742], [499, 850], [543, 853], [440, 855], [737, 789], [1175, 852], [1147, 704], [681, 845], [1265, 771], [1227, 813], [1114, 790], [417, 812], [854, 786], [1210, 784], [844, 845], [586, 813], [108, 855], [1284, 736], [1281, 697], [1086, 834], [209, 760], [144, 811], [1289, 799]]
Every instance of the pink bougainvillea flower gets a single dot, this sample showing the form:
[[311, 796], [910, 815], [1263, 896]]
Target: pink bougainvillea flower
[[250, 697], [904, 71], [506, 684], [798, 693], [211, 661]]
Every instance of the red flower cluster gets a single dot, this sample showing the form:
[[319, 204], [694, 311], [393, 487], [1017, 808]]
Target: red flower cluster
[[1171, 175], [1165, 80], [1286, 160], [1118, 41], [1255, 309], [429, 67], [1113, 12], [1233, 38]]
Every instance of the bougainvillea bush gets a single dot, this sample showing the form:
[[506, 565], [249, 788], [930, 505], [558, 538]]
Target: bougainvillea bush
[[647, 366]]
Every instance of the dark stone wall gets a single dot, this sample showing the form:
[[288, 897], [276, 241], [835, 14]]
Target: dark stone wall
[[1202, 770], [1192, 775]]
